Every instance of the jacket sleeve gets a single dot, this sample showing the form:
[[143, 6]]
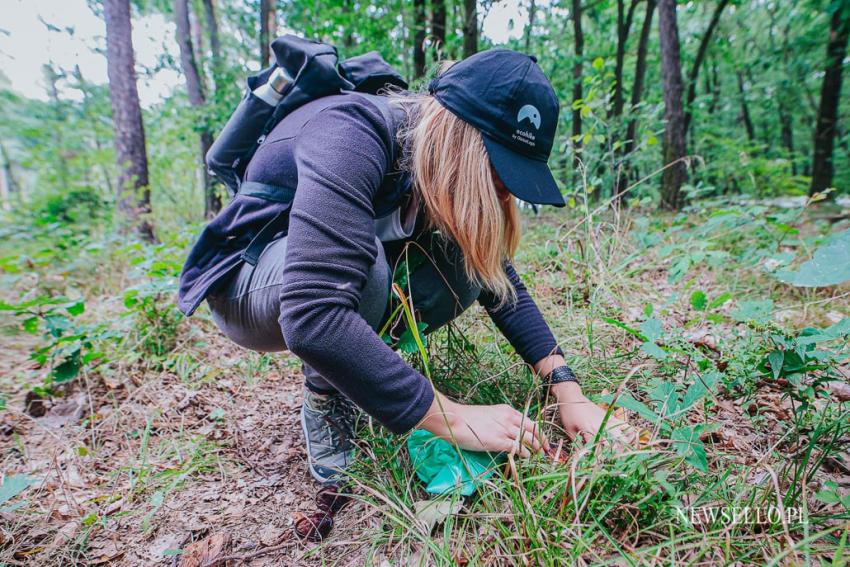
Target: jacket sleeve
[[341, 156], [521, 322]]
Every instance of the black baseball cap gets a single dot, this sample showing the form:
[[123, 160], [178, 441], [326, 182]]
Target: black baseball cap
[[505, 95]]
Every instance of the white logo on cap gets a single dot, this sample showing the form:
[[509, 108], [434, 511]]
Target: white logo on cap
[[531, 113]]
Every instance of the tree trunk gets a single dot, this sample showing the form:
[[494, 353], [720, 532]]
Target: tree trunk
[[745, 108], [215, 41], [787, 134], [5, 190], [675, 172], [438, 26], [51, 77], [715, 88], [529, 29], [470, 27], [129, 131], [7, 170], [187, 53], [637, 88], [701, 51], [624, 25], [577, 86], [194, 86], [419, 23], [348, 24], [830, 96], [268, 30]]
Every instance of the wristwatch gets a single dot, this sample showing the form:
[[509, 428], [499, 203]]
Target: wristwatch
[[561, 374]]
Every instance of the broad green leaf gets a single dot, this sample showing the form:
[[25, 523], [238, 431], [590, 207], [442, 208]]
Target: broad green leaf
[[407, 342], [837, 331], [665, 398], [653, 350], [698, 300], [31, 325], [830, 265], [719, 300], [775, 359], [701, 386], [598, 63], [652, 329], [756, 311], [76, 308], [679, 268], [14, 485], [68, 369], [686, 442]]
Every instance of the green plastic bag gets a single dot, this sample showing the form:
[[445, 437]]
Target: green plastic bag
[[444, 469]]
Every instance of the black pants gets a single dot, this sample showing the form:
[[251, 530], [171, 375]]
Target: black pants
[[429, 269]]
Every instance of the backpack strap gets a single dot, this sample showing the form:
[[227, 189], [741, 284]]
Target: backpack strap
[[266, 191], [279, 223]]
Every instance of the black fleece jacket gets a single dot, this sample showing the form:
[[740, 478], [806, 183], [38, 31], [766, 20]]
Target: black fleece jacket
[[339, 148]]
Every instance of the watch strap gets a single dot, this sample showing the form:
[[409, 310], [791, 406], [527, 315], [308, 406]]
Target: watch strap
[[561, 374]]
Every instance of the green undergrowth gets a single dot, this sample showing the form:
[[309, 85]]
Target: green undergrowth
[[676, 320]]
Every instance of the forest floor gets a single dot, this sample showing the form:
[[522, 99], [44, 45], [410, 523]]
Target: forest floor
[[132, 461]]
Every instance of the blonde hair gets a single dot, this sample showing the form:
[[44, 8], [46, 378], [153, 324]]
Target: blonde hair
[[453, 178]]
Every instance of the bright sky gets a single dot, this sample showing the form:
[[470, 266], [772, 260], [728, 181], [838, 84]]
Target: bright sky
[[27, 43]]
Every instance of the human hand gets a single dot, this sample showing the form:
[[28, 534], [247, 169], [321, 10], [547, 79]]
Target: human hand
[[581, 417], [484, 428]]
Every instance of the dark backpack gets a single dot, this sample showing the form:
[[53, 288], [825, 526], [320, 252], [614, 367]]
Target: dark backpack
[[258, 212]]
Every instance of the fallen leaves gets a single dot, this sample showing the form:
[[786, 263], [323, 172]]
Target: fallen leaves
[[208, 551], [429, 513]]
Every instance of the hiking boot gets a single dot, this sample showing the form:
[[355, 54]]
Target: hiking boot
[[328, 425]]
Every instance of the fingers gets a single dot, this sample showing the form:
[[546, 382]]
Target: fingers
[[531, 433], [527, 435]]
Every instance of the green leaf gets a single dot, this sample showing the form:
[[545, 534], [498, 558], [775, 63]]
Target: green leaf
[[653, 350], [756, 311], [665, 398], [598, 63], [775, 359], [830, 265], [652, 329], [679, 268], [696, 391], [686, 442], [14, 485], [625, 327], [76, 308], [407, 342], [698, 300], [651, 141], [627, 401], [31, 325], [720, 300], [68, 369]]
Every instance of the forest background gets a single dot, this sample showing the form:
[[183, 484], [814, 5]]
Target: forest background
[[699, 273]]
